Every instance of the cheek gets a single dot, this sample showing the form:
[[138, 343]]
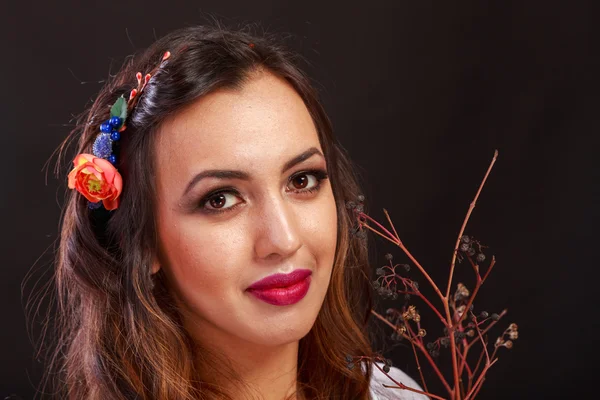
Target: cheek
[[321, 230], [203, 260]]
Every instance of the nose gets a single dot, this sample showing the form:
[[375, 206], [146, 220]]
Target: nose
[[277, 234]]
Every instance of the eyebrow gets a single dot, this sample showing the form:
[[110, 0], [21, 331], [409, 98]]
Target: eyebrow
[[242, 175]]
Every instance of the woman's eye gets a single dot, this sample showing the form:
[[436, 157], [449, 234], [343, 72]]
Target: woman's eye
[[217, 202], [301, 183]]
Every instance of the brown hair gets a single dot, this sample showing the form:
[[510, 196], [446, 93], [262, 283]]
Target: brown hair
[[119, 335]]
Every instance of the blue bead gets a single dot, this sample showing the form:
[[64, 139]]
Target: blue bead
[[94, 206], [105, 127], [102, 146], [115, 136], [114, 121], [113, 159]]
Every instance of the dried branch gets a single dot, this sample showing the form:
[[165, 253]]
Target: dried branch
[[462, 327]]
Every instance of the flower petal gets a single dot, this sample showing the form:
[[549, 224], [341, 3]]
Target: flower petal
[[91, 169], [83, 158], [89, 196], [107, 168], [118, 182], [73, 177], [110, 204]]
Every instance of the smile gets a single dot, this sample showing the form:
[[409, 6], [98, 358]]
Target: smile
[[283, 296]]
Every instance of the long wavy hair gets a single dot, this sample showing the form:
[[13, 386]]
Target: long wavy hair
[[118, 332]]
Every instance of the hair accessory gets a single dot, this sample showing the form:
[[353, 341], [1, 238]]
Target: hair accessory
[[94, 175]]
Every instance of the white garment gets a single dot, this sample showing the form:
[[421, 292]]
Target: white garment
[[379, 392]]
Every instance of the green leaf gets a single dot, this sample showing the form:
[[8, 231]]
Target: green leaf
[[119, 109]]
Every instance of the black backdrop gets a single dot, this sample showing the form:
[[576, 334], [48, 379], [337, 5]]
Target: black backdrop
[[421, 93]]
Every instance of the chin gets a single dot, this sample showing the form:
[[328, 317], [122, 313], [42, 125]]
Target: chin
[[274, 326], [281, 329], [279, 337]]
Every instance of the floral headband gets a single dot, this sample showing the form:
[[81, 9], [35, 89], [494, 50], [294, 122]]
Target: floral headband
[[94, 175]]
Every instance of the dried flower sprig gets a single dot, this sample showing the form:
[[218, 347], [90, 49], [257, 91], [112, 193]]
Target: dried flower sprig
[[462, 327]]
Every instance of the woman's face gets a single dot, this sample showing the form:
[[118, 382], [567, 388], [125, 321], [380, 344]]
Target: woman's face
[[272, 216]]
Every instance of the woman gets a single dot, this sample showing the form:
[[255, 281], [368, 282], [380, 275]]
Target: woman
[[212, 256]]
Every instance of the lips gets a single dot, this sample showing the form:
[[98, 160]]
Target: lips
[[281, 280], [282, 289]]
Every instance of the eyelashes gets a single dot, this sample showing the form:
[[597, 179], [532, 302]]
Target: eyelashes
[[319, 174]]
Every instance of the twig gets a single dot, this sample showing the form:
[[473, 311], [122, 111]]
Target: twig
[[419, 366], [487, 355], [478, 285], [487, 328], [403, 386], [391, 224], [421, 348], [455, 309], [476, 368], [480, 379], [464, 225], [399, 243]]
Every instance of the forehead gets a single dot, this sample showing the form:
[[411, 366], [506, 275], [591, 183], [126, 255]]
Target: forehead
[[263, 123]]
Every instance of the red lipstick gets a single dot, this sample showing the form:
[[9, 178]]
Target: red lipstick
[[282, 289]]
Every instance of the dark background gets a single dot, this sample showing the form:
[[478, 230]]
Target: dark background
[[421, 93]]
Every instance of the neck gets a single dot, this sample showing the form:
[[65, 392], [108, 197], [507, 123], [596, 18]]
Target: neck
[[270, 371]]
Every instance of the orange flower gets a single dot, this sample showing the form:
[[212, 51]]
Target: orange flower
[[97, 179]]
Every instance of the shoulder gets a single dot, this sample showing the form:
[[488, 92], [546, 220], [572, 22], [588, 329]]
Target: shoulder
[[379, 392]]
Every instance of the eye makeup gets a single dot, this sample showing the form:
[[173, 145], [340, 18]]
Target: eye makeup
[[319, 174]]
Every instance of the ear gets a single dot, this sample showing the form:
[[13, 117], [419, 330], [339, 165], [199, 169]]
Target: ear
[[155, 267]]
